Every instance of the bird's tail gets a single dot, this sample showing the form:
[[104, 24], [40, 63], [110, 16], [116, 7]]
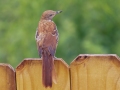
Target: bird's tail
[[48, 70]]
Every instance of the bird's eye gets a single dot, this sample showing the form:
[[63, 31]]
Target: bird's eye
[[50, 14]]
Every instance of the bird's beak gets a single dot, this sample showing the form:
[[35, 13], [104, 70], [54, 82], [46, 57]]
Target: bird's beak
[[57, 12]]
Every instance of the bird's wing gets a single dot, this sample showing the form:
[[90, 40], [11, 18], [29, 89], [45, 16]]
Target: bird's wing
[[50, 42], [47, 37], [39, 37]]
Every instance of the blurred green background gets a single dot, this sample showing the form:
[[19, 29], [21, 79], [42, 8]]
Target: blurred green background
[[85, 27]]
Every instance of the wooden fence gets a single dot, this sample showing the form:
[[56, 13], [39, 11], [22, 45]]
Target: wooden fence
[[86, 72]]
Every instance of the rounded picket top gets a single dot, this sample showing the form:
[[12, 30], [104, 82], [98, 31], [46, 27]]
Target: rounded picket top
[[29, 75], [7, 77], [95, 72]]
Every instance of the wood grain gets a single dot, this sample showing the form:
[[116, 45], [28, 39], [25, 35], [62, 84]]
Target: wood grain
[[95, 72], [7, 77], [29, 75]]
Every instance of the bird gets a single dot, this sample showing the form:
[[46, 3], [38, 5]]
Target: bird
[[47, 41]]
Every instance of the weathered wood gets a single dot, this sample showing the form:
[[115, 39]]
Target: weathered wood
[[29, 75], [7, 77], [95, 72]]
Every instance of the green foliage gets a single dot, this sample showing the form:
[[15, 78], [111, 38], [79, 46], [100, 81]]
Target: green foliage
[[84, 26]]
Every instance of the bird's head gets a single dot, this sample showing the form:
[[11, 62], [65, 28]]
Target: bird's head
[[49, 14]]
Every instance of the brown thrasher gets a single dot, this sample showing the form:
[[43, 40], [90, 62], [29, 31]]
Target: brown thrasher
[[47, 39]]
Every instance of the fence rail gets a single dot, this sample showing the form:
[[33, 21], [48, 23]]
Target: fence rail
[[86, 72]]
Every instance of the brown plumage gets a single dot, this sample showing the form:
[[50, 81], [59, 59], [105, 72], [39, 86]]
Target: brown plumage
[[47, 39]]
